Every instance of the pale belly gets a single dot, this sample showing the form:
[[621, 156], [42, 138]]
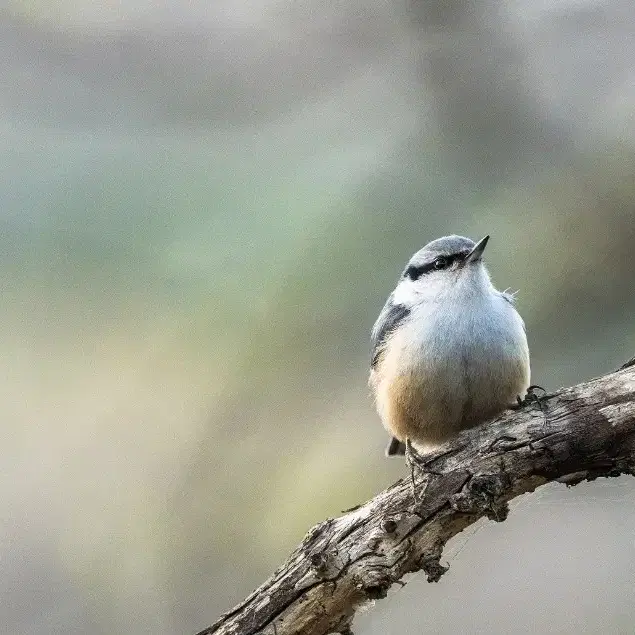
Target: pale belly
[[428, 396]]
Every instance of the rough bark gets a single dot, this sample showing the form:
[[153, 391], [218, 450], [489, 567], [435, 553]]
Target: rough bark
[[575, 434]]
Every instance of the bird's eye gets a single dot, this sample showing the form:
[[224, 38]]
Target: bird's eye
[[441, 262]]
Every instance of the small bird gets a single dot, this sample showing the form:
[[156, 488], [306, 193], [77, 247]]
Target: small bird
[[449, 351]]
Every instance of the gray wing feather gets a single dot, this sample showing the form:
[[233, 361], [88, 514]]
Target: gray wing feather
[[391, 316]]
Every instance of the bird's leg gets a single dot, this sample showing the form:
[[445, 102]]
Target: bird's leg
[[418, 462], [410, 454]]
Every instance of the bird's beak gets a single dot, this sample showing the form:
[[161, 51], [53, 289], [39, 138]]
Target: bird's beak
[[476, 253]]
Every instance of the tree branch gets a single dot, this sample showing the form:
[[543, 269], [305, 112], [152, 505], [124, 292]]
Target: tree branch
[[585, 432]]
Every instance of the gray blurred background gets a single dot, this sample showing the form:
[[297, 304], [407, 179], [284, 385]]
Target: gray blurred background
[[203, 211]]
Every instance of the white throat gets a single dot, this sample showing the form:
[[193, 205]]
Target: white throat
[[445, 286]]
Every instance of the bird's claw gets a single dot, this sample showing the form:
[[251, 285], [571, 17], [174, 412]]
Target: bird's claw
[[531, 398]]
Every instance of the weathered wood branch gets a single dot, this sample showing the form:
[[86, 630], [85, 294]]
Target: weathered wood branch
[[582, 432]]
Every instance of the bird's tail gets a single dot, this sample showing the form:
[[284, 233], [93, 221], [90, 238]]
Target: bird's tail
[[395, 448]]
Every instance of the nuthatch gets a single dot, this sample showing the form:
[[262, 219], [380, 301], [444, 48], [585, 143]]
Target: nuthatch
[[449, 351]]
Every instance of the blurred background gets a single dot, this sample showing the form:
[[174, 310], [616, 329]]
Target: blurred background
[[204, 207]]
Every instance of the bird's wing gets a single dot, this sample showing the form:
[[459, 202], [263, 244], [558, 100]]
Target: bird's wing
[[391, 316]]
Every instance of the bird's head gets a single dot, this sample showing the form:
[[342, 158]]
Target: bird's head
[[440, 266]]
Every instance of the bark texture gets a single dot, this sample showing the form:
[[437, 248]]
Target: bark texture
[[575, 434]]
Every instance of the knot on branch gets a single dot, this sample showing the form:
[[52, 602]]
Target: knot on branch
[[389, 525], [319, 562], [375, 584], [480, 496]]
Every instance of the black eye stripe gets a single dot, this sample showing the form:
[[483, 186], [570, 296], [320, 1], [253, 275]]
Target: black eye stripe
[[415, 272]]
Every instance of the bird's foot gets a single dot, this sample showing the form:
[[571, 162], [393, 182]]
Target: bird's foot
[[531, 398]]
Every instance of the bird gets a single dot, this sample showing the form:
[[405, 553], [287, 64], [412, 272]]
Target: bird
[[448, 350]]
